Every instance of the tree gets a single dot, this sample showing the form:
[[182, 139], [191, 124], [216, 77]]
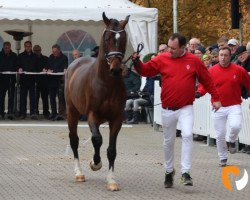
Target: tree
[[205, 19]]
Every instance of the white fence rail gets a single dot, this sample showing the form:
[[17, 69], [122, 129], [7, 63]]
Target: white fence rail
[[203, 123]]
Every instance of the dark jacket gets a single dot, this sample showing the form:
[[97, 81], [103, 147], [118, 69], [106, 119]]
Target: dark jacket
[[57, 64], [28, 63], [132, 82], [148, 90], [41, 63], [8, 62]]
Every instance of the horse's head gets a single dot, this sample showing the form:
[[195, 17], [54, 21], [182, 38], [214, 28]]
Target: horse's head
[[114, 43]]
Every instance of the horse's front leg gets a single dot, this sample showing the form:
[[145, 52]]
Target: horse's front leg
[[96, 163], [72, 118], [111, 153]]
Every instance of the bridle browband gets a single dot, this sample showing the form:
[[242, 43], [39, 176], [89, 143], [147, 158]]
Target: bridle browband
[[113, 54]]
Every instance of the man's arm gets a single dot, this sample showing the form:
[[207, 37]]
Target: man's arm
[[148, 69], [205, 79]]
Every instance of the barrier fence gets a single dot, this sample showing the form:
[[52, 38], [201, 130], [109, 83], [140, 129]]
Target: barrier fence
[[203, 123], [33, 73]]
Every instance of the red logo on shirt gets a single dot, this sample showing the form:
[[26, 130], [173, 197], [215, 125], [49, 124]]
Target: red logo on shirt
[[234, 77], [188, 67]]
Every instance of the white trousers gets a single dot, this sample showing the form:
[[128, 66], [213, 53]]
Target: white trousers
[[232, 115], [185, 117]]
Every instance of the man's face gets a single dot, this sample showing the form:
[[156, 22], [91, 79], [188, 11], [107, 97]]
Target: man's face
[[28, 47], [37, 51], [174, 49], [215, 58], [7, 48], [162, 49], [193, 44], [222, 44], [224, 57], [233, 48], [76, 54], [55, 52]]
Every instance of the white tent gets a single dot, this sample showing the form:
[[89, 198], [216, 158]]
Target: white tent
[[142, 25]]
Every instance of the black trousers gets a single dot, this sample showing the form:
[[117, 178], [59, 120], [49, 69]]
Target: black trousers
[[10, 87], [42, 91], [26, 88], [57, 91]]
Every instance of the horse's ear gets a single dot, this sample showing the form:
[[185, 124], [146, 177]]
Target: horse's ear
[[105, 19], [124, 22]]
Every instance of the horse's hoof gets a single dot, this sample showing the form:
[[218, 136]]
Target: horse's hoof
[[113, 187], [95, 167], [80, 178]]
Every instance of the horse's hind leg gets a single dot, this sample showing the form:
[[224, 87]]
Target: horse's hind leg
[[72, 118], [96, 163], [111, 153]]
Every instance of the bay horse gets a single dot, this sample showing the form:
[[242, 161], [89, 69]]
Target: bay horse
[[95, 87]]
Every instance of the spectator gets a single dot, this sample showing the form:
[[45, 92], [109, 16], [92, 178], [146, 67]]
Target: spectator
[[162, 48], [228, 78], [8, 62], [194, 43], [58, 62], [145, 97], [95, 52], [179, 70], [132, 83], [222, 42], [207, 61], [76, 54], [236, 49], [214, 56], [42, 86], [200, 51], [27, 63]]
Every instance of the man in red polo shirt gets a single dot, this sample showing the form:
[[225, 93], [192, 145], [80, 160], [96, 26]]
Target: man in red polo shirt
[[179, 70], [229, 79]]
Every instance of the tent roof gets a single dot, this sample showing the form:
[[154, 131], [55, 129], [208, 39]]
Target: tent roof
[[74, 10]]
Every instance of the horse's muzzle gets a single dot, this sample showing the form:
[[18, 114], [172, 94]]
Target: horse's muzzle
[[116, 71]]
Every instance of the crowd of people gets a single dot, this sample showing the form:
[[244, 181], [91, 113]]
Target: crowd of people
[[34, 75]]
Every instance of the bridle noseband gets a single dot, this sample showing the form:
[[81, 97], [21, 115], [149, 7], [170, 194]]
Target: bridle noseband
[[113, 54]]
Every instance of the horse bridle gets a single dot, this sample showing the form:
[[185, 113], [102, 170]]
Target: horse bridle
[[112, 54]]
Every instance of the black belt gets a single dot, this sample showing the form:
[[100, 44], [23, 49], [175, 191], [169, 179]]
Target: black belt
[[173, 109]]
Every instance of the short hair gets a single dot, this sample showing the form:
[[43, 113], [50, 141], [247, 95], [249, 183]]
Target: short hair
[[215, 52], [182, 40], [56, 46], [222, 39], [196, 40], [27, 42], [226, 48], [248, 46], [165, 46], [36, 47], [6, 43]]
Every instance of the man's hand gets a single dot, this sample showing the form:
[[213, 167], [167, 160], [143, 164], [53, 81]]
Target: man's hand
[[216, 105], [135, 57], [243, 56]]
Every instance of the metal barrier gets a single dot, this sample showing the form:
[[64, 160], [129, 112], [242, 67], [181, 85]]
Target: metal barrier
[[203, 123]]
